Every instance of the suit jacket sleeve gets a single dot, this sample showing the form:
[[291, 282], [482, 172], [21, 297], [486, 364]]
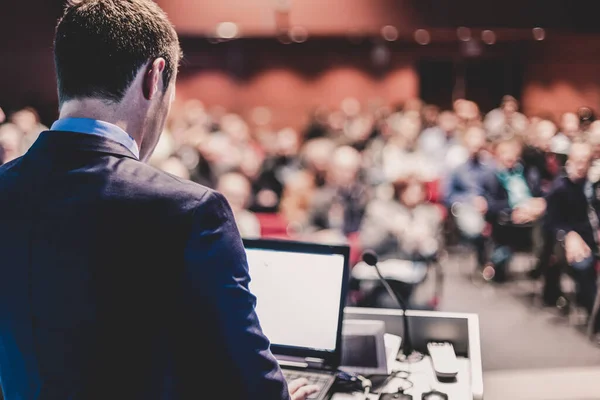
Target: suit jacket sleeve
[[217, 275]]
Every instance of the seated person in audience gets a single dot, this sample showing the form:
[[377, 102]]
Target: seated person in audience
[[28, 121], [11, 139], [436, 141], [340, 204], [236, 189], [286, 160], [296, 201], [514, 205], [315, 156], [573, 211], [465, 192], [404, 227], [538, 157], [570, 128], [541, 160], [505, 120]]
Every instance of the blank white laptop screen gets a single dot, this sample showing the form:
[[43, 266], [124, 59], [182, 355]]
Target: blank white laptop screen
[[298, 296]]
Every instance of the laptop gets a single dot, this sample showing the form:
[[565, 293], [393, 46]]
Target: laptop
[[301, 291]]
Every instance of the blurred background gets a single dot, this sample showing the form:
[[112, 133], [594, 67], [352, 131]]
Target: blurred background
[[376, 123]]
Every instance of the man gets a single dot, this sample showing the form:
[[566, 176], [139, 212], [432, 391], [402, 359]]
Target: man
[[569, 126], [28, 122], [538, 157], [573, 206], [118, 280], [505, 120], [436, 141], [514, 205], [465, 192], [340, 205]]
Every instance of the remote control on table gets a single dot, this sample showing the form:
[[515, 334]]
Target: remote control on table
[[443, 359]]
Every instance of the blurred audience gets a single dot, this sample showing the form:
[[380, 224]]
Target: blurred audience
[[368, 174]]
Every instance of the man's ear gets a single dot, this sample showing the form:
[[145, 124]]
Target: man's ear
[[153, 78]]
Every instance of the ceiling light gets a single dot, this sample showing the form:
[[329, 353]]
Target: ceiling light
[[389, 33], [298, 34], [227, 30], [422, 36], [539, 33], [488, 37], [464, 34]]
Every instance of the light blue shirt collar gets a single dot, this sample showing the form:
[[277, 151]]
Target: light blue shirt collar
[[98, 128]]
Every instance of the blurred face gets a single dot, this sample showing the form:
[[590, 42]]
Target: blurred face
[[570, 123], [579, 162], [235, 127], [344, 167], [448, 122], [413, 195], [474, 140], [236, 190], [250, 163], [318, 155], [10, 142], [507, 154], [430, 114], [545, 132], [288, 143], [510, 107], [25, 120]]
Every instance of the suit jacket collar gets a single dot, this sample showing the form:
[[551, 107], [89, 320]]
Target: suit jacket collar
[[65, 142]]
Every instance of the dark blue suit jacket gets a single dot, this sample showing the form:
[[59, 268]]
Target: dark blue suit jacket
[[119, 281]]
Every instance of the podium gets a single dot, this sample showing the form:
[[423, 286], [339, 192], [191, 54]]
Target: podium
[[462, 330]]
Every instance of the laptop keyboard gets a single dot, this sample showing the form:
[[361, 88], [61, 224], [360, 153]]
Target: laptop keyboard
[[320, 380]]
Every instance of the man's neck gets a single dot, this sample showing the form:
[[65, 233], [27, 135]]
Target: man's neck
[[103, 111]]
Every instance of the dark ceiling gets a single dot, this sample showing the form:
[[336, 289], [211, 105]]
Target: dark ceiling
[[30, 24]]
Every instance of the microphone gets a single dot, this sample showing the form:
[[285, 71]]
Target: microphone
[[370, 258]]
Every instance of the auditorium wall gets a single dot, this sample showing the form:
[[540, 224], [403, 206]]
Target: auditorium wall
[[290, 82], [563, 76]]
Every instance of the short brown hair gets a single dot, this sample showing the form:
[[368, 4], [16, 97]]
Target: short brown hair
[[100, 45]]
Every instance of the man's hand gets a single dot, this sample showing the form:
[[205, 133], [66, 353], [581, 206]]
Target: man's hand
[[529, 212], [575, 247], [521, 215], [537, 207], [300, 389], [480, 204]]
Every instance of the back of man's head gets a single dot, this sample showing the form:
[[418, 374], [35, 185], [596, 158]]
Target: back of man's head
[[100, 46]]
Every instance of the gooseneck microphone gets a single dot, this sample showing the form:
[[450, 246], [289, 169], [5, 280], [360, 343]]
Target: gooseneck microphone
[[370, 258]]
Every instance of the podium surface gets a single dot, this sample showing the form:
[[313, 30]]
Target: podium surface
[[460, 329]]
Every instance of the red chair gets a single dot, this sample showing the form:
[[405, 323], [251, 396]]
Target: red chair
[[272, 225]]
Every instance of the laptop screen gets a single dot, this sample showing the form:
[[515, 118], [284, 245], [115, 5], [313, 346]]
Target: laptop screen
[[298, 295]]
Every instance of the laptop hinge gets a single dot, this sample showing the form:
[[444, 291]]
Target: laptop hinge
[[301, 362]]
